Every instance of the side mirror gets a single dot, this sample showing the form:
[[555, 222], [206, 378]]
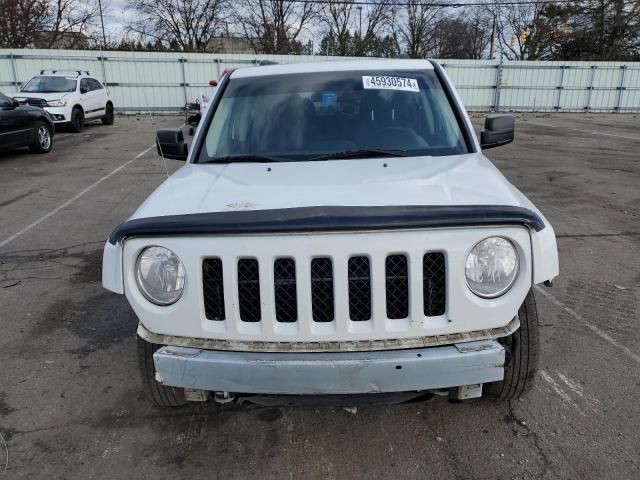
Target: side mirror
[[498, 131], [83, 90], [170, 144]]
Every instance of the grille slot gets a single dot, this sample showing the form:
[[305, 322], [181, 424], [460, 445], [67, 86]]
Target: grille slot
[[212, 289], [434, 284], [322, 290], [359, 275], [397, 283], [284, 279], [249, 290]]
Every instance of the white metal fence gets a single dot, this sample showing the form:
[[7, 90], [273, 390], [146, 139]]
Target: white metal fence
[[148, 81]]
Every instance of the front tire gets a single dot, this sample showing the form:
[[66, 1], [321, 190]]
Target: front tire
[[522, 355], [108, 115], [77, 120], [43, 140], [161, 395]]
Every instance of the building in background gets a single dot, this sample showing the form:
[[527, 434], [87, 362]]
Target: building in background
[[64, 40], [237, 45]]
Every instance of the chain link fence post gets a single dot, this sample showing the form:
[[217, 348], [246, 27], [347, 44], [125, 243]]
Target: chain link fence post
[[623, 69], [184, 83], [590, 87], [560, 87], [496, 103], [104, 71], [13, 69]]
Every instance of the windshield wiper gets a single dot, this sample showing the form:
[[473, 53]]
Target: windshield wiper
[[247, 158], [369, 152]]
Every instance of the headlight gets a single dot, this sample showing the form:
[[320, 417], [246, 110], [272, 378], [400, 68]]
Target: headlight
[[160, 275], [492, 267], [57, 103]]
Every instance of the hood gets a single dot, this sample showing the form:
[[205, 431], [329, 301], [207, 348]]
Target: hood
[[44, 96], [468, 179]]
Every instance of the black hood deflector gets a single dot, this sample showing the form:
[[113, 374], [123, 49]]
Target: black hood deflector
[[326, 219]]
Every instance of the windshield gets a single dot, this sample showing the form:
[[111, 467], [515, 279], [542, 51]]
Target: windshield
[[50, 84], [322, 115]]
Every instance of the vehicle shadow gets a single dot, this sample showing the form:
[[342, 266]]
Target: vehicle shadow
[[17, 153]]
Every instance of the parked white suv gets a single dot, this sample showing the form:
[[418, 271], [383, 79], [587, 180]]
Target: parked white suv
[[71, 97], [336, 230]]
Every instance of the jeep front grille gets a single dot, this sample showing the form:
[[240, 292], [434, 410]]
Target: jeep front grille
[[322, 290], [359, 289], [397, 283], [433, 284], [284, 280], [295, 286], [249, 290], [213, 290]]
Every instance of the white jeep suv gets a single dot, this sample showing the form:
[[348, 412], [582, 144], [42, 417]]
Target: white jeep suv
[[71, 97], [336, 230]]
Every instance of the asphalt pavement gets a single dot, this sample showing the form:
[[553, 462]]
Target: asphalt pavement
[[72, 404]]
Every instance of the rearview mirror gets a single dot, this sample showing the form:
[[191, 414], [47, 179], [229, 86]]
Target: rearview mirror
[[498, 131], [9, 103], [170, 144]]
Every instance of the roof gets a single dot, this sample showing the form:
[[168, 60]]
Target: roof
[[334, 66]]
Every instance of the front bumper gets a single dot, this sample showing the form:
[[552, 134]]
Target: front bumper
[[420, 369], [59, 114]]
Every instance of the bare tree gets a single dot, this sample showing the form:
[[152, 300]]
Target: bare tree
[[68, 19], [344, 24], [189, 24], [20, 21], [464, 36], [338, 17], [515, 24], [417, 28], [44, 23], [274, 26]]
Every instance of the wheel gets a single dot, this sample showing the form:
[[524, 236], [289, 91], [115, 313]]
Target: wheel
[[77, 120], [160, 395], [108, 115], [522, 354], [43, 140]]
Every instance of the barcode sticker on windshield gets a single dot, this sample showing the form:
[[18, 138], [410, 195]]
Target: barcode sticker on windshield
[[390, 83]]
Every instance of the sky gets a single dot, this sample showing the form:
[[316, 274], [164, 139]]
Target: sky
[[117, 16]]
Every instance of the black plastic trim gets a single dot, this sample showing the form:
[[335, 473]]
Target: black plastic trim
[[326, 219], [206, 120], [457, 110]]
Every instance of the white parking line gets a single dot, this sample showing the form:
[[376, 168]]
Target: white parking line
[[590, 132], [72, 199], [556, 388], [626, 350], [573, 386]]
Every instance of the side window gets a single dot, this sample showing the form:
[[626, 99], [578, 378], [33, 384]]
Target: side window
[[95, 84], [84, 85]]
